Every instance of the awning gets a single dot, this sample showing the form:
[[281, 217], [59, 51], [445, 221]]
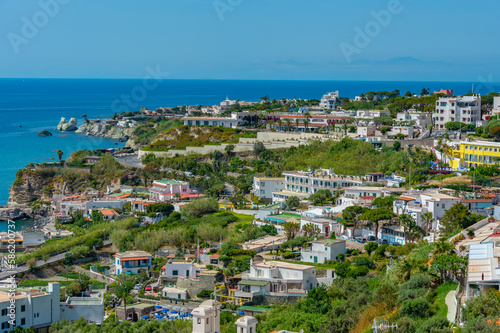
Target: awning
[[253, 283]]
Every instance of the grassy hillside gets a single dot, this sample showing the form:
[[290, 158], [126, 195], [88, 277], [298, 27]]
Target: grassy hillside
[[184, 136]]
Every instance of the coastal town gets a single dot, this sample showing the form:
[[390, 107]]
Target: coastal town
[[219, 216]]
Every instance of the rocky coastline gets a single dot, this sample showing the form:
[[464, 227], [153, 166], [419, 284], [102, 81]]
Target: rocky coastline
[[107, 129]]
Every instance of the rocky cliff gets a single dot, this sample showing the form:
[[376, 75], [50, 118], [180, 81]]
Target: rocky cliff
[[105, 130]]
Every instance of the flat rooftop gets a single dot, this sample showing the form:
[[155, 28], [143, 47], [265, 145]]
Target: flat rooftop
[[281, 264]]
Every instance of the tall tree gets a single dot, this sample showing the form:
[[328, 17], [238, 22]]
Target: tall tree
[[60, 154]]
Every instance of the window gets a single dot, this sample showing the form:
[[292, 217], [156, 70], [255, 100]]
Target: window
[[5, 325], [23, 321], [4, 312], [199, 321], [208, 321], [23, 308], [175, 272]]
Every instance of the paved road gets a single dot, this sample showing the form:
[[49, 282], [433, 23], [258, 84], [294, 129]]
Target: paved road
[[39, 263], [130, 161], [452, 307]]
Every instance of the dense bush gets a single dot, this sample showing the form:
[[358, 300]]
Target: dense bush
[[415, 308]]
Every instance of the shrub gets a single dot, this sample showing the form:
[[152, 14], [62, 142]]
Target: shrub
[[200, 207], [415, 308], [435, 325], [205, 293], [363, 261]]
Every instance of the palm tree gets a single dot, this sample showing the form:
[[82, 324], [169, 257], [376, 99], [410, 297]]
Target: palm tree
[[280, 123], [60, 154], [306, 124], [123, 289], [288, 122], [297, 122], [427, 217], [442, 246], [332, 127], [177, 197], [406, 221], [345, 127]]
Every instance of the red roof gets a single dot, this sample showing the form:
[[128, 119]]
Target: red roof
[[215, 256], [368, 197], [406, 198], [171, 256]]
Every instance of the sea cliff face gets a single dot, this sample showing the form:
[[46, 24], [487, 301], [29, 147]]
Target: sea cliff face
[[105, 130]]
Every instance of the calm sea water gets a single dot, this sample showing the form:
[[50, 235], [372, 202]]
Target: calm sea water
[[30, 105]]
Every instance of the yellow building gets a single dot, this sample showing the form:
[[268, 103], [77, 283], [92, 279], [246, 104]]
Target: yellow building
[[475, 153], [226, 204]]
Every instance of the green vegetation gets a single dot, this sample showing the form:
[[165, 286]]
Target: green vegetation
[[184, 136]]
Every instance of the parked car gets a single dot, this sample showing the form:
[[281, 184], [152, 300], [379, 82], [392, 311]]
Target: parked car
[[352, 239], [138, 286], [361, 240], [371, 238], [148, 288], [381, 241]]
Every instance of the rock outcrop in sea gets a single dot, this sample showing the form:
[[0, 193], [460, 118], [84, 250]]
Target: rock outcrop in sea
[[44, 133], [67, 126]]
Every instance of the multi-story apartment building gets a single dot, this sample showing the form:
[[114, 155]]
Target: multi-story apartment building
[[329, 100], [275, 278], [263, 187], [421, 119], [465, 109], [167, 189], [304, 183], [475, 153]]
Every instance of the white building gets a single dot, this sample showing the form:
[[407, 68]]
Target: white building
[[39, 309], [407, 131], [370, 114], [465, 109], [366, 130], [90, 308], [356, 192], [329, 100], [304, 183], [325, 226], [323, 250], [263, 187], [174, 292], [273, 278], [421, 119], [496, 106], [131, 262], [393, 234], [181, 268], [206, 318], [416, 204], [211, 121]]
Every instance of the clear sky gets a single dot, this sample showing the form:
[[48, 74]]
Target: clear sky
[[445, 40]]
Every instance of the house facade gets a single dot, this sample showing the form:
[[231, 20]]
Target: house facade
[[464, 109], [273, 278], [475, 153], [131, 262], [167, 190], [263, 187], [180, 268], [323, 250]]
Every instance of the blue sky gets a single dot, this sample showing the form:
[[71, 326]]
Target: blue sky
[[252, 39]]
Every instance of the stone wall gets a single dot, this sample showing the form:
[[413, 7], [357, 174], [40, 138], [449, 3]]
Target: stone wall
[[193, 287], [274, 300]]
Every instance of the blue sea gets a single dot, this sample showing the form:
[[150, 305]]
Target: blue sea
[[30, 105]]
